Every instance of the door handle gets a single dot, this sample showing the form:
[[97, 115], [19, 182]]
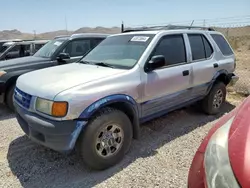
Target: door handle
[[216, 65], [185, 73]]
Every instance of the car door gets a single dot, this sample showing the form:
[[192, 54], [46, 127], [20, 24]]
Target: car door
[[27, 49], [167, 87], [203, 63]]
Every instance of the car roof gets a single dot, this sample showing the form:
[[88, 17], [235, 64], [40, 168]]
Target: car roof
[[39, 41], [9, 43], [88, 35], [27, 42], [11, 40], [62, 36], [82, 35]]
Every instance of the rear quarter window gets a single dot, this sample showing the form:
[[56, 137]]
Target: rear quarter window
[[222, 44]]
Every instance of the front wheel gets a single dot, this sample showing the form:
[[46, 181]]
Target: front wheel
[[9, 98], [215, 99], [106, 139]]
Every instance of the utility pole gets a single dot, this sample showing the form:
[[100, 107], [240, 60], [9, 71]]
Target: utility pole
[[66, 25], [34, 31], [204, 23], [227, 32]]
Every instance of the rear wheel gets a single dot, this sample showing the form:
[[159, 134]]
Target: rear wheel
[[214, 101], [9, 97], [106, 139]]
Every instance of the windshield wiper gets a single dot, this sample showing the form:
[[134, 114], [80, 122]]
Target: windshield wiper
[[85, 62], [104, 64], [97, 63]]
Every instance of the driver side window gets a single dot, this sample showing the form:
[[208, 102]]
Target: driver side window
[[77, 48], [172, 47]]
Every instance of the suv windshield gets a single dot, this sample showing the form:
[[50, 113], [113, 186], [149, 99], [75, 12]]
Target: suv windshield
[[48, 49], [121, 51]]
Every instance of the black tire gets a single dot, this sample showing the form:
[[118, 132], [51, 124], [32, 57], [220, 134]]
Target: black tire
[[9, 98], [87, 146], [208, 102]]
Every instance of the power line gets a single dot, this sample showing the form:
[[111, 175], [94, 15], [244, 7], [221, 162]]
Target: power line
[[201, 21]]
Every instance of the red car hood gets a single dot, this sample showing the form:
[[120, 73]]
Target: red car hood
[[239, 144]]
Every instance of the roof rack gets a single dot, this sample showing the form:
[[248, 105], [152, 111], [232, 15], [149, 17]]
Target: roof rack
[[167, 27]]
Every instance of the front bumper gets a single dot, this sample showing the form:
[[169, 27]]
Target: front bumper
[[58, 135], [2, 91], [196, 176]]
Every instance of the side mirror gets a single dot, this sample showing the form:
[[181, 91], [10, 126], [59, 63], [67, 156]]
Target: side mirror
[[155, 62], [63, 56]]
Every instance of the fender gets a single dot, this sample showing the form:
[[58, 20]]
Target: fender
[[91, 109], [216, 75]]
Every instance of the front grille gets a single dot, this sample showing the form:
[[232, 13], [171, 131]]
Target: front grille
[[22, 98]]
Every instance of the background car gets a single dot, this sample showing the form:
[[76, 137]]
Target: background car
[[8, 40], [61, 50], [12, 50], [222, 160]]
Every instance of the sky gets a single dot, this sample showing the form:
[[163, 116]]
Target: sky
[[50, 15]]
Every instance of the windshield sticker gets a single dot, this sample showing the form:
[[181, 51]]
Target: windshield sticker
[[139, 39], [57, 43]]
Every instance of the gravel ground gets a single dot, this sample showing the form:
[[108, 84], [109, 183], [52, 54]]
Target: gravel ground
[[160, 158]]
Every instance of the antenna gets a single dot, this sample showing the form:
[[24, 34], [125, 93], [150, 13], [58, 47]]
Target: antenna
[[192, 23], [122, 27]]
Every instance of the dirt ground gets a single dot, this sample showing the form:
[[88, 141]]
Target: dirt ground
[[160, 158], [243, 70]]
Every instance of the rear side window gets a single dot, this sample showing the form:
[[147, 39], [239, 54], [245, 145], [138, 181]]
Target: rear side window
[[222, 44], [38, 46], [95, 42], [172, 47], [208, 48], [78, 47], [200, 46], [197, 47]]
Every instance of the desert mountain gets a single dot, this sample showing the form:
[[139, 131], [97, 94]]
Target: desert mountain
[[11, 34], [15, 34]]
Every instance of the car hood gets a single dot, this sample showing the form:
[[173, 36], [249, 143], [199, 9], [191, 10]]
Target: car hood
[[23, 61], [239, 144], [48, 82]]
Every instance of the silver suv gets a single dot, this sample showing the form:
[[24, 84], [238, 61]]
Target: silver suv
[[98, 103]]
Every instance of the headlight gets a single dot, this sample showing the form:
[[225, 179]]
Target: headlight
[[2, 73], [217, 164], [53, 108]]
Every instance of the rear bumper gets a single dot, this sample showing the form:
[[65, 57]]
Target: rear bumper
[[58, 135]]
